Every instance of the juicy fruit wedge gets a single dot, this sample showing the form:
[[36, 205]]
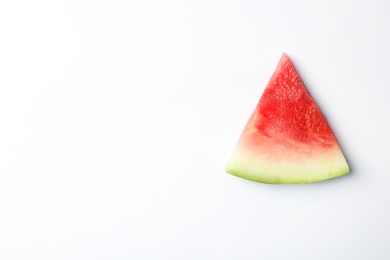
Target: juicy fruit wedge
[[287, 139]]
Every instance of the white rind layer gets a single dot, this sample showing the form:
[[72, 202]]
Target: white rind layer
[[313, 168]]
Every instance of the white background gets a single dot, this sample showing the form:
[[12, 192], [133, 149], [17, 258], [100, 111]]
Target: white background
[[117, 119]]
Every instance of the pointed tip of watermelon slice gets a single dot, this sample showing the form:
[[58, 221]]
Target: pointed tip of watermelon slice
[[284, 56], [287, 140]]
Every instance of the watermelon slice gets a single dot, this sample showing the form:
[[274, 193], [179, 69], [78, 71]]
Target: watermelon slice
[[287, 139]]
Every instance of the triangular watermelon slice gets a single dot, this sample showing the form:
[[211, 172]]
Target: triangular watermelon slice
[[287, 139]]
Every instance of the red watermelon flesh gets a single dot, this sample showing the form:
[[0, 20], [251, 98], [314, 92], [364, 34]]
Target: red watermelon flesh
[[287, 139]]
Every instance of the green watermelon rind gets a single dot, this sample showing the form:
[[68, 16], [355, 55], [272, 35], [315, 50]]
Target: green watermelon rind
[[319, 168]]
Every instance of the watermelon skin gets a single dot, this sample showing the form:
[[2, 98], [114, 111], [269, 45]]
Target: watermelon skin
[[287, 140]]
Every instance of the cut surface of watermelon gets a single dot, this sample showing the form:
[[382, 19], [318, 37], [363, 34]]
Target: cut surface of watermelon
[[287, 140]]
